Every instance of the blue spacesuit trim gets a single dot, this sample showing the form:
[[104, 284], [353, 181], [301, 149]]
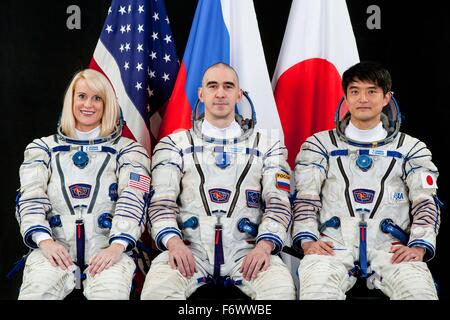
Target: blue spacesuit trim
[[296, 241], [27, 236], [345, 152], [124, 236], [273, 238], [164, 232], [101, 149], [429, 249]]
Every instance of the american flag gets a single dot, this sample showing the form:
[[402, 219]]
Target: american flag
[[136, 51], [139, 181]]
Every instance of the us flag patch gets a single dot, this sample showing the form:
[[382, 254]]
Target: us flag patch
[[139, 181]]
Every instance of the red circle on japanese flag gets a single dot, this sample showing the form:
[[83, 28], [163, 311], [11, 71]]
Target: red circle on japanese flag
[[307, 95], [430, 180]]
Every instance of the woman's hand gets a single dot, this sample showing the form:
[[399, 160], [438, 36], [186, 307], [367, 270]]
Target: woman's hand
[[105, 258], [56, 253]]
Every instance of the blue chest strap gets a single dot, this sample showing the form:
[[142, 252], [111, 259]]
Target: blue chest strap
[[222, 149], [369, 152], [90, 148]]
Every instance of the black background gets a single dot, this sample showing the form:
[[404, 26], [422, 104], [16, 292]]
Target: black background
[[39, 55]]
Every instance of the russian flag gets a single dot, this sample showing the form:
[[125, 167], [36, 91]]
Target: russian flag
[[223, 31], [318, 46]]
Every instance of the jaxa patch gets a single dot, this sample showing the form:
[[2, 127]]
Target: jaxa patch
[[428, 181], [363, 196], [398, 196], [253, 198], [219, 195], [283, 181], [80, 190]]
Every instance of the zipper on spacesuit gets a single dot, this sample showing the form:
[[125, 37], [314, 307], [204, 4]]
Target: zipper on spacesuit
[[80, 244], [362, 266], [218, 250], [363, 249]]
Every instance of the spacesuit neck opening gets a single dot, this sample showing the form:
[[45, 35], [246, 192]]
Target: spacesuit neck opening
[[390, 118], [114, 135], [246, 126], [245, 116]]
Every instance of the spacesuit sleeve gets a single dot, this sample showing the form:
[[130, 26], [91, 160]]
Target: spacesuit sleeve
[[311, 165], [32, 202], [133, 174], [277, 216], [420, 175], [167, 171]]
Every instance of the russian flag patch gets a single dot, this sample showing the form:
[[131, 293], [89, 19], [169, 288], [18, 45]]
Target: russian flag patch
[[283, 181]]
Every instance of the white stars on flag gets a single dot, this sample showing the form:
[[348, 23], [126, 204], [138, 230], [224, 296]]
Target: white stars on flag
[[122, 10], [138, 36]]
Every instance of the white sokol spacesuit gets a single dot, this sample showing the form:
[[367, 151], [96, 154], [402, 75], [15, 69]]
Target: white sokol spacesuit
[[364, 185], [205, 191], [85, 194]]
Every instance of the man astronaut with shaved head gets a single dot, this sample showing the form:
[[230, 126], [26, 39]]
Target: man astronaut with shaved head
[[220, 210]]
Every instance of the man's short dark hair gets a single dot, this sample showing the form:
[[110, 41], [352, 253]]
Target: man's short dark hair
[[368, 71], [220, 63]]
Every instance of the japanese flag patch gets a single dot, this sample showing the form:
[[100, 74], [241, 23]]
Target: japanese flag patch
[[283, 181], [428, 181], [139, 181]]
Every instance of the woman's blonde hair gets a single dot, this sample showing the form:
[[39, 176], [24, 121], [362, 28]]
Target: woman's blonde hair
[[100, 84]]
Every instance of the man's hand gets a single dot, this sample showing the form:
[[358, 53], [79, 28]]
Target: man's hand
[[324, 248], [404, 253], [106, 258], [56, 253], [180, 257], [257, 260]]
